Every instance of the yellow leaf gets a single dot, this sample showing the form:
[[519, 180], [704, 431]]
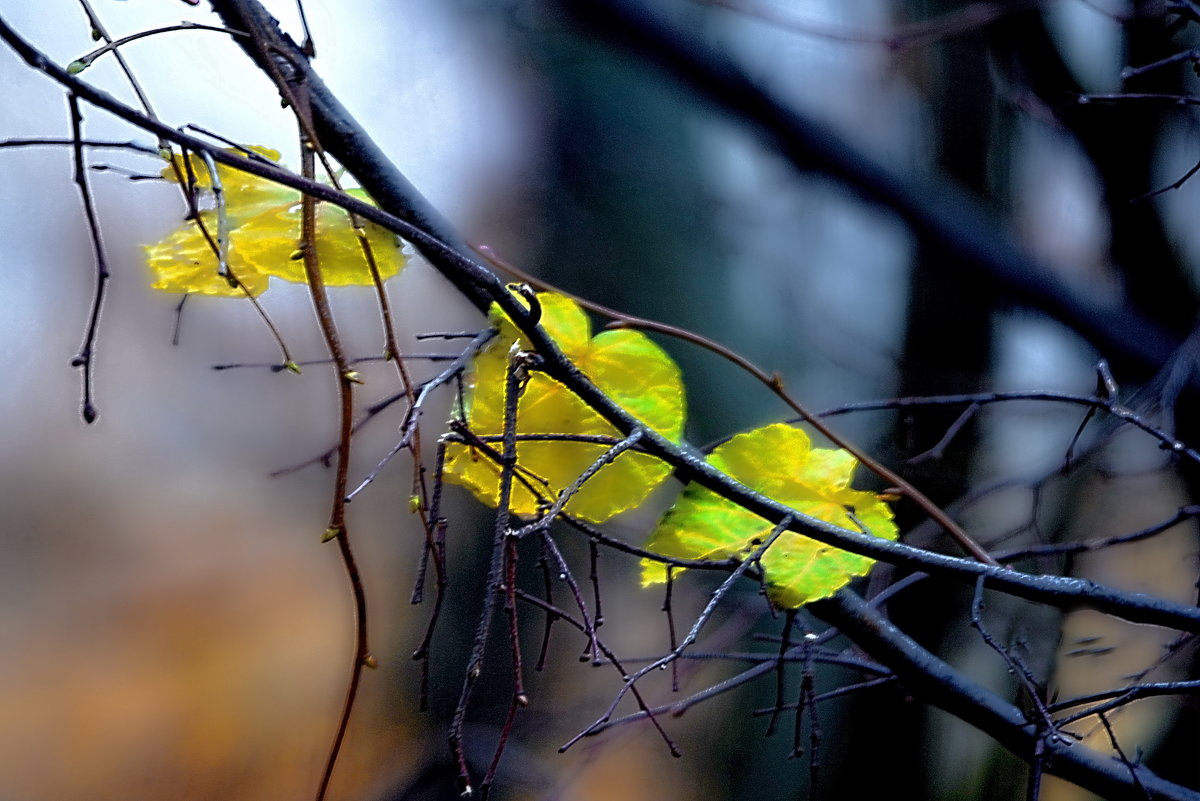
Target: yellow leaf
[[245, 189], [777, 461], [626, 365], [183, 261], [264, 236]]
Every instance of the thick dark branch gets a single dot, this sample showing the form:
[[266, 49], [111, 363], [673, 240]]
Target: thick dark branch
[[934, 681]]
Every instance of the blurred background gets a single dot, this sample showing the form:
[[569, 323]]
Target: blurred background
[[170, 625]]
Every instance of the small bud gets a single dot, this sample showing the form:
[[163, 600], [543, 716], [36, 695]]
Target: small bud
[[353, 377], [369, 662], [77, 66], [291, 367], [414, 504], [330, 533]]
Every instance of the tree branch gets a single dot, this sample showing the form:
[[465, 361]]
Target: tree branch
[[943, 686]]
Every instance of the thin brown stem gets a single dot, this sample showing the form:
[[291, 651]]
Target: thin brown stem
[[111, 45], [295, 93], [101, 33], [337, 517]]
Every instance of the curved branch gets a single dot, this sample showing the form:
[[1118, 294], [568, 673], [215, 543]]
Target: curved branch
[[943, 686]]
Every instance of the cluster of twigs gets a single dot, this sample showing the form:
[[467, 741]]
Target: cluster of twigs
[[886, 655]]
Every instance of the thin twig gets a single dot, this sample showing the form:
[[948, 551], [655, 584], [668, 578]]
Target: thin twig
[[435, 550], [548, 584], [1028, 681], [514, 384], [1192, 53], [785, 645], [1184, 514], [409, 428], [86, 358], [645, 712], [1124, 695], [83, 62], [709, 609], [565, 495], [1116, 744], [94, 144], [592, 649], [519, 698], [668, 610], [100, 32], [337, 529]]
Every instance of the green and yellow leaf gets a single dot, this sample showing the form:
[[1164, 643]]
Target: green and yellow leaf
[[626, 365], [263, 220], [777, 461]]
